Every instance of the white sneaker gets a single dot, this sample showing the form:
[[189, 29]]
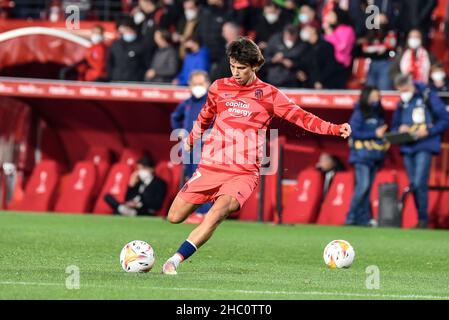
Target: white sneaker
[[126, 211], [169, 268]]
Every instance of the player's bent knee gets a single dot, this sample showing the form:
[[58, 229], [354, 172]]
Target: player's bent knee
[[174, 217]]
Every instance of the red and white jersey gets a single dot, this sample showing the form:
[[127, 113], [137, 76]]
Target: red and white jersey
[[241, 115]]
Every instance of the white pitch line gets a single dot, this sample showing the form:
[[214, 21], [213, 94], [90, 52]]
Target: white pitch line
[[300, 293]]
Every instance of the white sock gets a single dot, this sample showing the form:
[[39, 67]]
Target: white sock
[[176, 259]]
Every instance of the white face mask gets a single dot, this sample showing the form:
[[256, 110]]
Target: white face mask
[[414, 43], [406, 96], [96, 38], [271, 17], [198, 91], [303, 18], [144, 175], [304, 35], [289, 44], [129, 37], [139, 17], [190, 14], [438, 76]]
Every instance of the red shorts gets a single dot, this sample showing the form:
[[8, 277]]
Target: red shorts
[[206, 185]]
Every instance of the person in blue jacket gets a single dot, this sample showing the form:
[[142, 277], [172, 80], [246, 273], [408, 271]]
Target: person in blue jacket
[[423, 114], [197, 58], [184, 117], [367, 152]]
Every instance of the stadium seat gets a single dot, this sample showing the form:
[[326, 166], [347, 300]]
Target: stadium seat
[[383, 176], [130, 157], [336, 205], [303, 205], [77, 195], [168, 172], [116, 184], [41, 188], [409, 212], [101, 158], [249, 210], [360, 69]]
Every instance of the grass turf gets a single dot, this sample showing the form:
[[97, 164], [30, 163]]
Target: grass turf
[[241, 261]]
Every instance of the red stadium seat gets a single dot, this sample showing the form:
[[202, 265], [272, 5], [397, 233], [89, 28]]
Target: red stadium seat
[[360, 69], [41, 187], [101, 158], [168, 172], [77, 196], [250, 209], [303, 205], [336, 205], [409, 213], [130, 157], [98, 155], [116, 184]]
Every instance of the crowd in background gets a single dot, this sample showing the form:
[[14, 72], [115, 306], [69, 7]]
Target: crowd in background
[[307, 43]]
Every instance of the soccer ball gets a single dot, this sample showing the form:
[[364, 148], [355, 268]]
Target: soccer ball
[[338, 254], [137, 256]]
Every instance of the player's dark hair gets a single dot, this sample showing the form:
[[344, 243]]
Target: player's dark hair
[[245, 51]]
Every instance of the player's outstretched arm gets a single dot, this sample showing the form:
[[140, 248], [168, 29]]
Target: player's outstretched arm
[[285, 108]]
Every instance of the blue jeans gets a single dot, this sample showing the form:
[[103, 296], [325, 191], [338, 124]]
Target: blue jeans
[[360, 209], [418, 171], [379, 75]]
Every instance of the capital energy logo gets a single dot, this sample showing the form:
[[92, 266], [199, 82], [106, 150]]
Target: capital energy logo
[[238, 108]]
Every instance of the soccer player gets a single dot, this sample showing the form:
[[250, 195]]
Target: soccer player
[[241, 102]]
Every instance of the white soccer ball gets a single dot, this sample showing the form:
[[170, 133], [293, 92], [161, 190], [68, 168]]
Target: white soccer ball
[[338, 254], [137, 256]]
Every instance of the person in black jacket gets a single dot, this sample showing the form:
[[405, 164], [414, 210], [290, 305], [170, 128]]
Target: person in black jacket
[[271, 22], [127, 57], [146, 192], [317, 67], [415, 14]]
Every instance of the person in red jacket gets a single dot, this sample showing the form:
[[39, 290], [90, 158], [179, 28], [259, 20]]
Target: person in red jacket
[[93, 67]]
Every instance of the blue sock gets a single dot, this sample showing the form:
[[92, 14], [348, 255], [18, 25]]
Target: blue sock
[[186, 249]]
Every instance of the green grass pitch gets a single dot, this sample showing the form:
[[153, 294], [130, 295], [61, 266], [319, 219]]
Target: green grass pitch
[[241, 261]]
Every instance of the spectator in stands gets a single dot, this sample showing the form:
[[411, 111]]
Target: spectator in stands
[[339, 32], [170, 13], [221, 69], [282, 51], [93, 67], [145, 17], [289, 10], [328, 165], [307, 17], [126, 59], [24, 9], [423, 114], [145, 194], [415, 59], [165, 60], [210, 28], [317, 67], [415, 14], [269, 23], [438, 77], [367, 152], [185, 115], [187, 25], [379, 45], [197, 58]]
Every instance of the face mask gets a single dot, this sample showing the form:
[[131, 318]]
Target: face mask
[[303, 18], [129, 37], [190, 14], [289, 44], [406, 97], [96, 38], [304, 35], [144, 175], [414, 43], [438, 76], [271, 17], [139, 17], [199, 91]]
